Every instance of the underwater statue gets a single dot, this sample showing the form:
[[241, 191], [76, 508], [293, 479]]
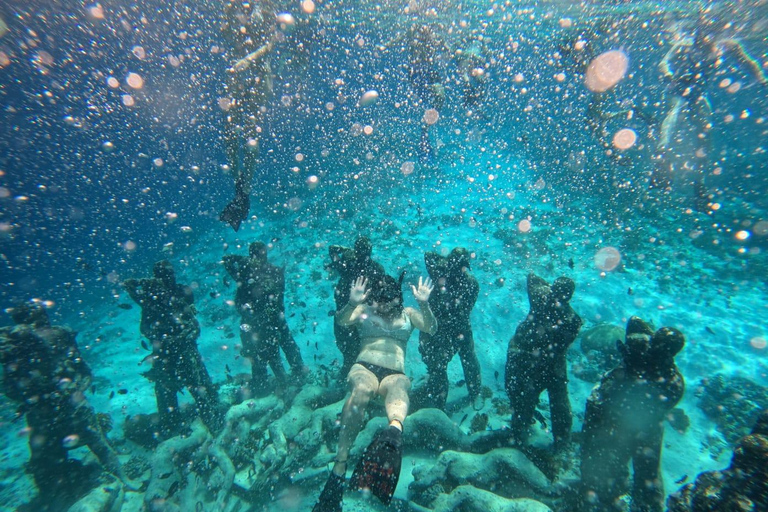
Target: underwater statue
[[452, 300], [168, 322], [384, 327], [250, 30], [44, 372], [260, 299], [536, 358], [624, 422], [350, 264]]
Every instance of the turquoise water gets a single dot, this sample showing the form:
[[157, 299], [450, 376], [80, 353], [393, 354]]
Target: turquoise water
[[113, 155]]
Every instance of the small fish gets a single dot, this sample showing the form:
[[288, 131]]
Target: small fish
[[307, 342], [681, 479], [122, 391], [151, 358], [144, 345], [570, 263], [316, 347], [173, 488], [461, 383], [164, 476], [112, 395], [709, 329], [630, 291], [226, 367], [230, 335], [496, 374], [463, 418], [93, 389], [125, 306], [214, 295]]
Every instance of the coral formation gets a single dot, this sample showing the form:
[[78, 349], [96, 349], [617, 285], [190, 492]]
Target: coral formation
[[733, 403], [743, 486]]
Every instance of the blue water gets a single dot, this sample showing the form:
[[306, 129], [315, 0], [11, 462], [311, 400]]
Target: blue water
[[94, 190]]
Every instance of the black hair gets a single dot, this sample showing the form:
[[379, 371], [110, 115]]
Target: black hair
[[387, 288]]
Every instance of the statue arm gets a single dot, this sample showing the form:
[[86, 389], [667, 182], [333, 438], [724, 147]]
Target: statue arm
[[134, 289], [745, 58]]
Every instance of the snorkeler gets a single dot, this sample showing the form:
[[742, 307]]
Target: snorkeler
[[425, 76], [384, 328], [624, 421], [536, 359], [263, 329], [350, 264], [168, 322], [689, 66], [452, 302], [45, 373], [250, 30], [473, 66]]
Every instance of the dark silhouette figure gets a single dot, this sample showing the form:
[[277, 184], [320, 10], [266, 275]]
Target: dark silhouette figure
[[624, 421], [250, 32], [44, 372], [743, 486], [536, 358], [689, 66], [351, 264], [168, 321], [264, 330], [455, 294]]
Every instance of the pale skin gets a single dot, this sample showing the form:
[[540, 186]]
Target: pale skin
[[383, 351]]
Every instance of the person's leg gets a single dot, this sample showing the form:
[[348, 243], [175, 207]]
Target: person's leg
[[48, 457], [675, 105], [523, 391], [436, 353], [560, 405], [203, 391], [469, 362], [394, 389], [362, 384], [647, 484], [290, 349], [661, 176], [167, 404], [251, 351], [270, 351], [348, 343], [604, 470]]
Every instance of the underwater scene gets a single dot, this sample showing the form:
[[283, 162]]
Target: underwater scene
[[326, 255]]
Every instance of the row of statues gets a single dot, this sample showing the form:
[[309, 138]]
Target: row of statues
[[45, 374]]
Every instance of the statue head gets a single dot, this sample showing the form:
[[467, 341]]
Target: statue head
[[163, 270]]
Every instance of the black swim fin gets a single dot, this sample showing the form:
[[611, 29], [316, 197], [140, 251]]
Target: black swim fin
[[236, 211], [379, 469], [333, 493]]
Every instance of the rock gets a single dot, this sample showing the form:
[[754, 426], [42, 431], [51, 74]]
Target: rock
[[504, 471], [733, 403], [466, 498], [431, 429], [598, 343], [104, 498]]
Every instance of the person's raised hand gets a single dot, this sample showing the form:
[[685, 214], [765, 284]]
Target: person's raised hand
[[359, 291], [421, 294]]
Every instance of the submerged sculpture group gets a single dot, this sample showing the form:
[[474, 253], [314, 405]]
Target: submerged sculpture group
[[623, 423]]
